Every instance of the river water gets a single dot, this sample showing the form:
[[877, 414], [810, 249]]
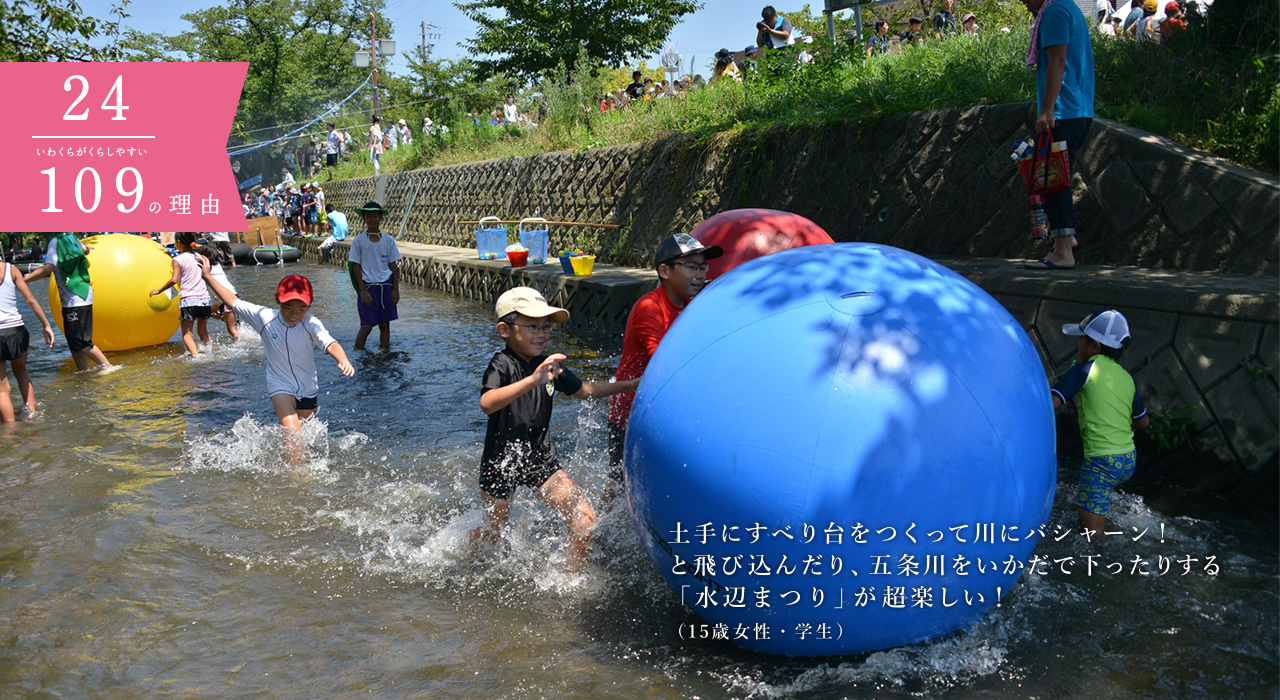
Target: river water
[[152, 542]]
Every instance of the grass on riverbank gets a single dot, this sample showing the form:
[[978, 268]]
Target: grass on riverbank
[[1221, 102]]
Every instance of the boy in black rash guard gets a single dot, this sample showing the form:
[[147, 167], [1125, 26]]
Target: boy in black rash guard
[[517, 395]]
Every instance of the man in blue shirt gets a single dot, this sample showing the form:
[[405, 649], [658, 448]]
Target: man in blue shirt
[[1062, 53]]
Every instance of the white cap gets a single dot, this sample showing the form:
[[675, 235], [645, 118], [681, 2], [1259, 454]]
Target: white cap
[[529, 302], [1107, 327]]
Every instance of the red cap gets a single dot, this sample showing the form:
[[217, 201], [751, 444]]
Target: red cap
[[1172, 8], [294, 287]]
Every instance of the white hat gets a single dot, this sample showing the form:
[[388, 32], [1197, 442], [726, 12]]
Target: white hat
[[1107, 327], [402, 122], [530, 303], [426, 121]]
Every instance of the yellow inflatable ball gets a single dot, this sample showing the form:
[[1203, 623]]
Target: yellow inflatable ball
[[123, 270]]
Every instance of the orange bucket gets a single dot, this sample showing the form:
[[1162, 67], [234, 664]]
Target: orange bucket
[[518, 258]]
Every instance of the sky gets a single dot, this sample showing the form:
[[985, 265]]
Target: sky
[[719, 24]]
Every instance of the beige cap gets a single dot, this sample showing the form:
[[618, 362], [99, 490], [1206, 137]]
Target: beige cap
[[530, 303]]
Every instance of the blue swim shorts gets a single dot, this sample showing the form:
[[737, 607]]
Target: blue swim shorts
[[1099, 475]]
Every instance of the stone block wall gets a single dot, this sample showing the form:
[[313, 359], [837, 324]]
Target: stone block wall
[[938, 183]]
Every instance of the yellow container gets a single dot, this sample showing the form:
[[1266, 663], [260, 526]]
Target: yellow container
[[582, 265]]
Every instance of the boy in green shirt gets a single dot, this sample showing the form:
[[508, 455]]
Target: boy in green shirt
[[1109, 409]]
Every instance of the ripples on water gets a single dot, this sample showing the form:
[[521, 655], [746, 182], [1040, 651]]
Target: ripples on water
[[153, 541]]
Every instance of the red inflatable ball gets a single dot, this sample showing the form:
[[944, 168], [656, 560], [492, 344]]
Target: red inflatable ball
[[747, 234]]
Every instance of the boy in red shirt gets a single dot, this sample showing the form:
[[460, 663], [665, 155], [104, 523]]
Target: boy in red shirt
[[681, 262]]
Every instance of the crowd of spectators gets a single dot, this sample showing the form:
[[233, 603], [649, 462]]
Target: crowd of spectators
[[1145, 20]]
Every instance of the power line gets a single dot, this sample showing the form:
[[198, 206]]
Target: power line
[[313, 121]]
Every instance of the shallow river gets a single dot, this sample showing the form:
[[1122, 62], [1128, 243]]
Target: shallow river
[[152, 542]]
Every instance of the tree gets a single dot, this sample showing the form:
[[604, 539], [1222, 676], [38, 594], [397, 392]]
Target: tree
[[533, 36], [56, 30], [299, 52]]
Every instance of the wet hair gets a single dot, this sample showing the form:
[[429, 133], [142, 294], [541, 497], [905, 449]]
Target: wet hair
[[185, 237]]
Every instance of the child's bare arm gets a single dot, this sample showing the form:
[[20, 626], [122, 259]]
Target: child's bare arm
[[340, 355], [34, 305], [599, 390], [1142, 423], [41, 273], [1057, 402], [177, 276], [227, 296], [365, 297], [495, 400]]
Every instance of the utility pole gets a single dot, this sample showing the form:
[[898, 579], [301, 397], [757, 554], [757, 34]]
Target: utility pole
[[426, 48], [424, 51], [373, 51]]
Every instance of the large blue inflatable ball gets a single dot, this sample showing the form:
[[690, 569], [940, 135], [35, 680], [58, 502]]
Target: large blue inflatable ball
[[840, 448]]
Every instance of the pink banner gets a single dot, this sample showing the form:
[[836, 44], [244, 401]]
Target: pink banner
[[119, 147]]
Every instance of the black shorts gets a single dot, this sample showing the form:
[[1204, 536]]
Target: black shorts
[[500, 481], [77, 326], [310, 403], [617, 445], [331, 159], [194, 313], [14, 343]]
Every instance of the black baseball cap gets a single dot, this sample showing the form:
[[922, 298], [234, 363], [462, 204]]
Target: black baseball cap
[[681, 245]]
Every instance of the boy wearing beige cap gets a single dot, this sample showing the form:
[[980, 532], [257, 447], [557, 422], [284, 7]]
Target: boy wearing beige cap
[[516, 394]]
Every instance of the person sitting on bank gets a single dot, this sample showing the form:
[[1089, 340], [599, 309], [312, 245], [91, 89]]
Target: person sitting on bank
[[337, 231]]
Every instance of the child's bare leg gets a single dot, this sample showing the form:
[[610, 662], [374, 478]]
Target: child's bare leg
[[1090, 520], [229, 318], [562, 495], [6, 404], [362, 335], [286, 406], [202, 329], [187, 339], [384, 334], [82, 357], [496, 511], [25, 387]]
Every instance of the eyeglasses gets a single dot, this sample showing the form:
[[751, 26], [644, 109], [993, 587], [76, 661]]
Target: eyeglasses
[[695, 267], [537, 330]]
